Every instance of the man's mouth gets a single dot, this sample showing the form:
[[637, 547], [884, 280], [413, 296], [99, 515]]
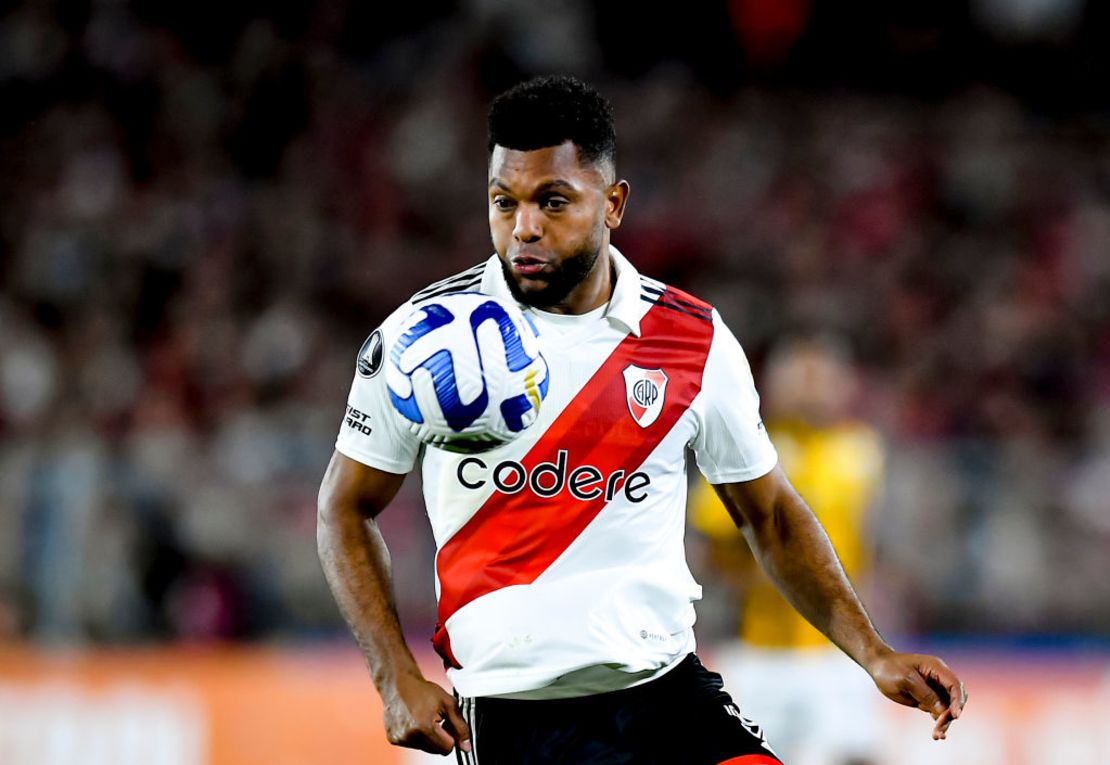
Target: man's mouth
[[528, 265]]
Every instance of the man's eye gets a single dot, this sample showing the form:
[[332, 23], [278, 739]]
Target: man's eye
[[501, 203], [556, 203]]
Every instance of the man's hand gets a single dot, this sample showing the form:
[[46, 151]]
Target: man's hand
[[421, 715], [921, 681]]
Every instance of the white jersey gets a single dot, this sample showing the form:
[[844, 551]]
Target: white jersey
[[560, 565]]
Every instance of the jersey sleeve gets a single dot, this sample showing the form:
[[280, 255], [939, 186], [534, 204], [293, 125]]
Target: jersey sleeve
[[731, 443], [371, 433]]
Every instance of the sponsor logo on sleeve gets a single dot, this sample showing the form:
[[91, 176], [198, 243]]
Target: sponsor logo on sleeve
[[371, 355], [356, 420]]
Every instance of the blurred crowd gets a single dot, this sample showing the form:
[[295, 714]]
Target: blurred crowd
[[198, 228]]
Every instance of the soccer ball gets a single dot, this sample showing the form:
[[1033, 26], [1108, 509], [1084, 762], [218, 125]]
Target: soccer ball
[[466, 373]]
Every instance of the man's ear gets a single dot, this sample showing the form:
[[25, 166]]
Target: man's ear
[[616, 198]]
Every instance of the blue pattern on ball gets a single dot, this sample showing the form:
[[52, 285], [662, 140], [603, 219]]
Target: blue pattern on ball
[[441, 367], [515, 355], [435, 316]]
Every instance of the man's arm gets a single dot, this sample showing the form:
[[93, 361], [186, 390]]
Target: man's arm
[[793, 548], [418, 713]]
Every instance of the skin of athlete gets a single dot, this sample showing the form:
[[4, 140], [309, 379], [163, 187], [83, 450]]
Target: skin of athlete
[[550, 219]]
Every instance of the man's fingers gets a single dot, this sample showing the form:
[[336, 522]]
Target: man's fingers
[[957, 697], [950, 692], [427, 738], [455, 724], [441, 738], [941, 678], [940, 731], [926, 698]]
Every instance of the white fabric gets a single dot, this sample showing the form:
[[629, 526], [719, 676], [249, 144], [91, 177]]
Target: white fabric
[[561, 322], [621, 595]]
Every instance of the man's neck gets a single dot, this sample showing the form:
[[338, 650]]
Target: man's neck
[[592, 292]]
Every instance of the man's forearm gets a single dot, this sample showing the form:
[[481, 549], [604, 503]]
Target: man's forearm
[[794, 550], [357, 566]]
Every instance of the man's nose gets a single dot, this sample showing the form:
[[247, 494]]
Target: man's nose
[[528, 226]]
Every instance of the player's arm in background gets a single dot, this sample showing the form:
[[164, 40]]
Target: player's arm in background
[[419, 714], [735, 454], [793, 548]]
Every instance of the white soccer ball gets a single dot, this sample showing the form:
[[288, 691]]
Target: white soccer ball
[[466, 373]]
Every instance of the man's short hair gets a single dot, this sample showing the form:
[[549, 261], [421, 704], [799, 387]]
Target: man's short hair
[[548, 111]]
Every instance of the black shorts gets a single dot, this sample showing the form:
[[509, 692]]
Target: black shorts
[[682, 718]]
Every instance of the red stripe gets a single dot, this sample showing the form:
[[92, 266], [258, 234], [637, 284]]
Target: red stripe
[[513, 538], [752, 759]]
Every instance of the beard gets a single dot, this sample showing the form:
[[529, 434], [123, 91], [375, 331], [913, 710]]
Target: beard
[[558, 284]]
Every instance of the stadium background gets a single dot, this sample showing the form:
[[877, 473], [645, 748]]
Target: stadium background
[[205, 208]]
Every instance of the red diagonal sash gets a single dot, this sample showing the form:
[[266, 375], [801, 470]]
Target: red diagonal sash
[[513, 538]]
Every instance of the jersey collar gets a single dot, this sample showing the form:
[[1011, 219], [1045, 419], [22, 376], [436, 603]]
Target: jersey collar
[[625, 306]]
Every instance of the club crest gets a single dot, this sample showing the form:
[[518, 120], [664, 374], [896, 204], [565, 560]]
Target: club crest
[[645, 391]]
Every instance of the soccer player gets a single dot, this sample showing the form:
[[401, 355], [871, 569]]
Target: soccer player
[[565, 602], [816, 705]]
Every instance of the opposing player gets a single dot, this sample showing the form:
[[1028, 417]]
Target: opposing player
[[565, 603], [816, 705]]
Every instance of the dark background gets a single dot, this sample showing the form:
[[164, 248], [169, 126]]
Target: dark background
[[206, 207]]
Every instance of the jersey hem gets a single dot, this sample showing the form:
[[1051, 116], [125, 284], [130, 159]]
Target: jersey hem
[[747, 474], [507, 684], [373, 460]]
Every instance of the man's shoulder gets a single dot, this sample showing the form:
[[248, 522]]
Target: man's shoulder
[[464, 281], [657, 293], [469, 280]]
